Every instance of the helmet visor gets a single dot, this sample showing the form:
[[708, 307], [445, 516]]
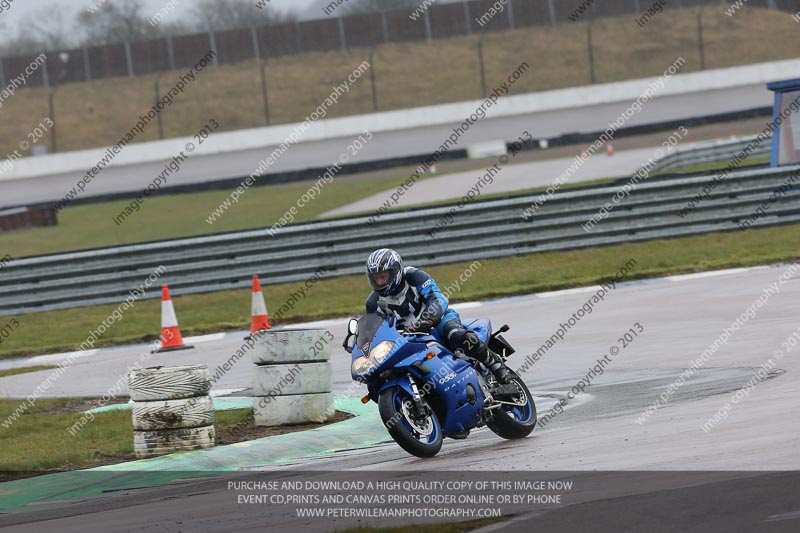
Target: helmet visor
[[382, 279]]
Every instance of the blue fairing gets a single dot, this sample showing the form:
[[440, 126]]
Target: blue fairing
[[481, 326], [446, 378]]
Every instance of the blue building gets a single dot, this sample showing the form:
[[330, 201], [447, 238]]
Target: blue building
[[786, 118]]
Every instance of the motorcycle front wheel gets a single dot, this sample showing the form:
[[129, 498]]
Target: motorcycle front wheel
[[418, 434], [515, 421]]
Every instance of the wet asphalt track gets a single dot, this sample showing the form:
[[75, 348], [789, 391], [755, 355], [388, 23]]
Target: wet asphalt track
[[597, 432]]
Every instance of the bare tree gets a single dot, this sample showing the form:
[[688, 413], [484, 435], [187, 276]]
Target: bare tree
[[47, 24], [22, 44], [221, 15], [115, 22], [41, 30]]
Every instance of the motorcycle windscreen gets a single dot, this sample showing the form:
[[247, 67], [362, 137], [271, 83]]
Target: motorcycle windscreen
[[368, 326]]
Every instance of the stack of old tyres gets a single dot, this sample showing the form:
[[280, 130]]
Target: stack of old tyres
[[172, 409], [292, 381]]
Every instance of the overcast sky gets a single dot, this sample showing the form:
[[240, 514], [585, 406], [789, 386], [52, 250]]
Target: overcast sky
[[11, 16], [19, 8]]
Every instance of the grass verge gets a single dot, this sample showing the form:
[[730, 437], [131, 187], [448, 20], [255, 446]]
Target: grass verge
[[230, 310], [24, 370], [167, 217], [38, 442]]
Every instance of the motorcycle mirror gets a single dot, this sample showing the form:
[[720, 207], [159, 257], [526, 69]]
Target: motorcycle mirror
[[347, 347], [352, 326]]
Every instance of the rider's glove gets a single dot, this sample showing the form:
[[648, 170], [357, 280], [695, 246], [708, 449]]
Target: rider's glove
[[422, 326]]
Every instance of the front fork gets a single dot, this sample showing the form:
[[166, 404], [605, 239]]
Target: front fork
[[416, 399], [408, 384]]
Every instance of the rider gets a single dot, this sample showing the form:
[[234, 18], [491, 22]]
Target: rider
[[415, 299]]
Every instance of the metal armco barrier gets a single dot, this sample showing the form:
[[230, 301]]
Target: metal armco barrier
[[480, 230], [712, 152]]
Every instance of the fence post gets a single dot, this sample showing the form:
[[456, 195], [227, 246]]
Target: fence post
[[264, 93], [51, 109], [212, 41], [552, 9], [591, 52], [467, 18], [87, 66], [2, 73], [771, 5], [700, 45], [156, 98], [45, 76], [384, 27], [299, 37], [171, 53], [129, 59], [637, 7], [372, 79], [483, 67], [428, 31], [256, 48], [342, 36], [511, 14]]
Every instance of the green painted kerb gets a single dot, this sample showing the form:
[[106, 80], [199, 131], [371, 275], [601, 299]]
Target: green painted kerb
[[365, 429]]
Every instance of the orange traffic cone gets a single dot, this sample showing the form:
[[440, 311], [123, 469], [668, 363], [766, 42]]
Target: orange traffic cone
[[260, 315], [609, 148], [171, 338], [433, 168]]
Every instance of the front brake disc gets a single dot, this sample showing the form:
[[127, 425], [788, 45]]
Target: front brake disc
[[423, 430]]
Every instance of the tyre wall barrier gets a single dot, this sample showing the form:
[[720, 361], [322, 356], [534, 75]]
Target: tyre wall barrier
[[292, 379], [172, 409]]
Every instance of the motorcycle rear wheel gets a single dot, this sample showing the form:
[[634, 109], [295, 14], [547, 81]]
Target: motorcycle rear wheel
[[419, 436], [514, 422]]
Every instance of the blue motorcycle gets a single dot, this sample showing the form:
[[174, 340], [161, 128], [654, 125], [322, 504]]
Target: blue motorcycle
[[425, 392]]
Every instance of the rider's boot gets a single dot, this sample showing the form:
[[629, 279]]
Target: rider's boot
[[460, 436], [492, 361], [496, 366]]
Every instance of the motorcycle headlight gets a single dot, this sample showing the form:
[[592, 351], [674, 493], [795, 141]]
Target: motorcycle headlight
[[362, 366], [379, 353]]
